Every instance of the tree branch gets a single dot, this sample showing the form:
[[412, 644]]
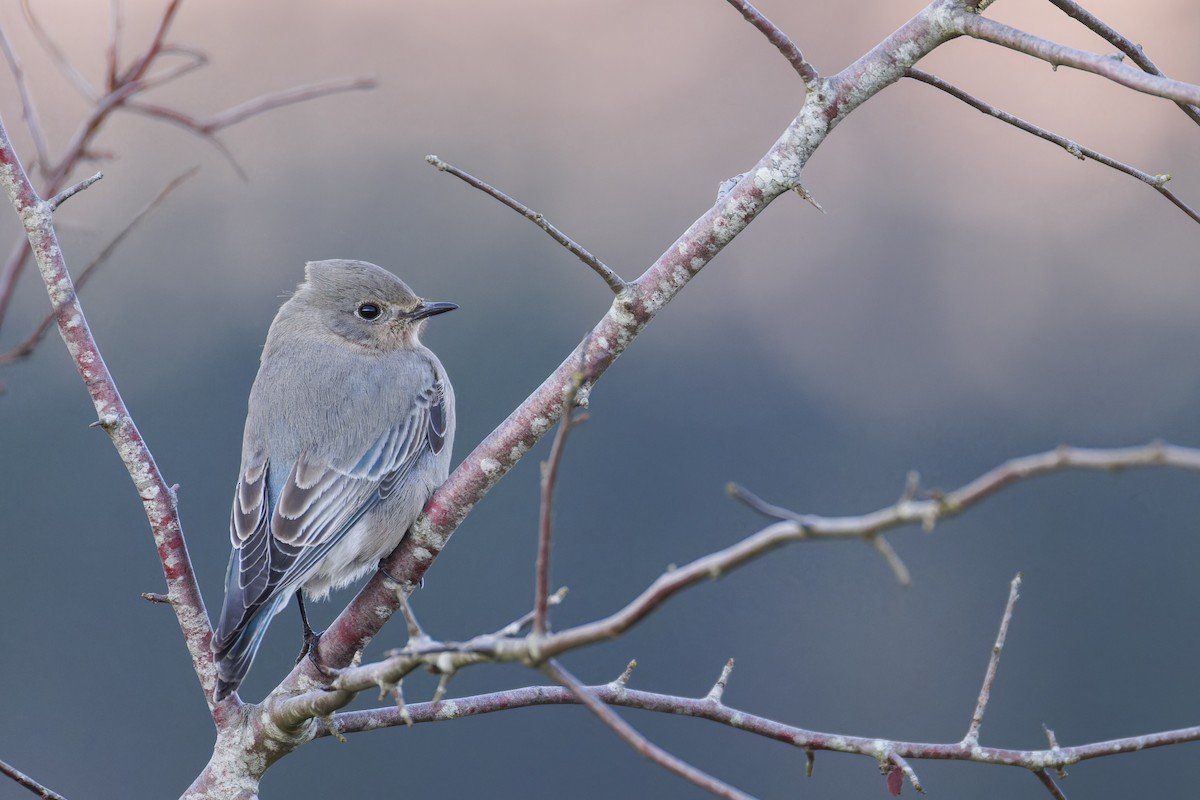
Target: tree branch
[[1135, 52], [613, 280], [637, 741], [21, 779], [801, 738], [989, 30], [1156, 182], [541, 602], [158, 500], [989, 678], [778, 38]]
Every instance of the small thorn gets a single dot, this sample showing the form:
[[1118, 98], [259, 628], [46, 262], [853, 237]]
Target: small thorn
[[155, 597]]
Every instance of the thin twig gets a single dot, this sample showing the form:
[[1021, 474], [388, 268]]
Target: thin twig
[[66, 194], [26, 348], [137, 70], [1156, 182], [1050, 785], [29, 783], [637, 741], [989, 677], [517, 625], [989, 30], [206, 126], [1135, 52], [614, 281], [541, 601], [113, 54], [28, 109], [778, 38], [885, 549], [907, 771], [56, 54], [617, 694]]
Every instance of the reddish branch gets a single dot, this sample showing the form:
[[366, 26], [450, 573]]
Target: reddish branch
[[248, 743], [158, 499]]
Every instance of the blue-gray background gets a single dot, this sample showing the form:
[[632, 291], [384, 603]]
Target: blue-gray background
[[971, 295]]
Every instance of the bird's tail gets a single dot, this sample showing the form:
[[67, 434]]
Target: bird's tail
[[234, 651]]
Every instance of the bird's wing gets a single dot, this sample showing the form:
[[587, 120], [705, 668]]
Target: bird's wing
[[279, 540]]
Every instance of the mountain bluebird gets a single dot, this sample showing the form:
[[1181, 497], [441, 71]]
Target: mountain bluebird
[[348, 432]]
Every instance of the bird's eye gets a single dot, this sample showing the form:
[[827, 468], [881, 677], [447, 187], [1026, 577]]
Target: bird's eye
[[368, 311]]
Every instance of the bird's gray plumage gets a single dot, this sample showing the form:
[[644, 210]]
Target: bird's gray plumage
[[348, 431]]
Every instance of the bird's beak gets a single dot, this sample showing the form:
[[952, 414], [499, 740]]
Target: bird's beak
[[429, 309]]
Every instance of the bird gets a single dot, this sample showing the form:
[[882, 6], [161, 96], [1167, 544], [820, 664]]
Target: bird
[[349, 428]]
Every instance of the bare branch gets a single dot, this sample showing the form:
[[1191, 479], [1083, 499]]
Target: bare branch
[[613, 280], [902, 766], [112, 57], [28, 110], [284, 97], [29, 783], [778, 38], [989, 30], [1135, 52], [636, 740], [541, 601], [800, 738], [137, 70], [1156, 182], [158, 499], [60, 60], [989, 678], [1050, 785], [885, 549], [66, 194], [26, 348]]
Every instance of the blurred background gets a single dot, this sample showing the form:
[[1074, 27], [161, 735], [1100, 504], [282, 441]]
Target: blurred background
[[972, 294]]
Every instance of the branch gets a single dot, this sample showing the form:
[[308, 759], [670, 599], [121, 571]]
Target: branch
[[776, 173], [541, 603], [26, 348], [158, 499], [778, 38], [21, 779], [636, 740], [613, 280], [800, 738], [989, 678], [28, 109], [989, 30], [1156, 182], [206, 126], [1135, 52]]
